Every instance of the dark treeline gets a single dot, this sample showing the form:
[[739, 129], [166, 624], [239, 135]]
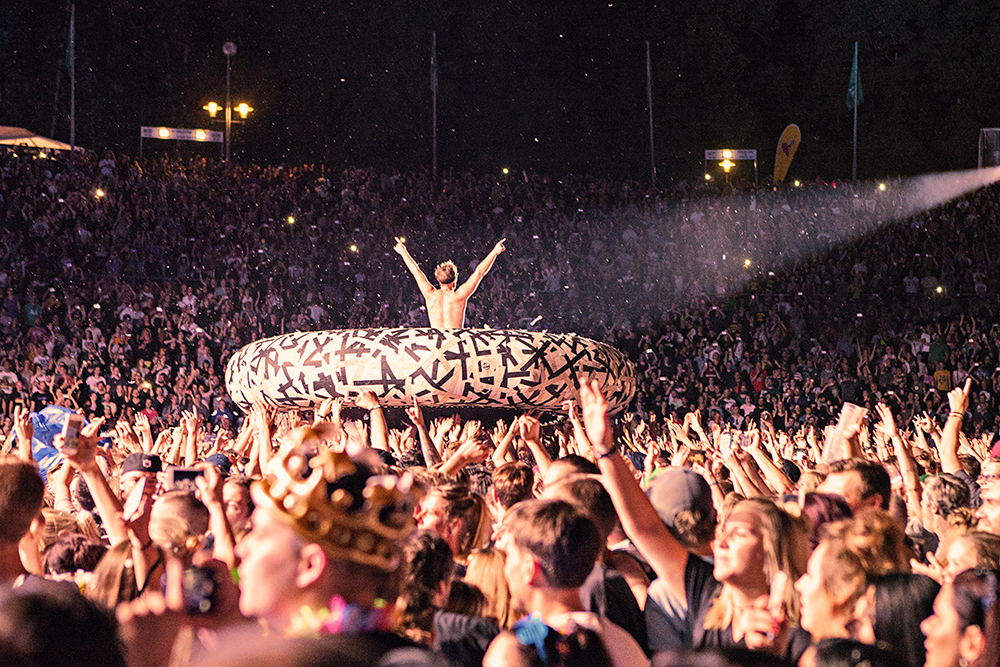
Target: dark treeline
[[551, 86]]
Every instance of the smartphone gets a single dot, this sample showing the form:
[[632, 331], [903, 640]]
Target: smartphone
[[134, 500], [199, 590], [71, 433], [779, 587], [183, 478]]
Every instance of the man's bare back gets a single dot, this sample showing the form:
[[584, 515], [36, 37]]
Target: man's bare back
[[446, 304]]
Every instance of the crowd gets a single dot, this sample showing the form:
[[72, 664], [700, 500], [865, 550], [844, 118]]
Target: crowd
[[807, 474]]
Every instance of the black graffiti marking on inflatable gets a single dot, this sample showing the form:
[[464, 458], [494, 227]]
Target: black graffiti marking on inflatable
[[497, 368]]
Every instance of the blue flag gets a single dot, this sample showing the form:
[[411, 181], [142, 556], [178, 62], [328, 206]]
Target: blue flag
[[854, 94]]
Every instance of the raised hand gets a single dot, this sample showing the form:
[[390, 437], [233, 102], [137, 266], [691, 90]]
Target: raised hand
[[85, 457], [469, 430], [125, 437], [958, 398], [415, 414], [499, 432], [530, 429], [23, 425], [362, 432], [367, 399], [887, 425], [144, 432], [594, 408], [442, 425], [473, 450], [569, 405]]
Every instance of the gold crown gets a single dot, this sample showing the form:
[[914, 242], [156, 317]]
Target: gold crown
[[334, 500]]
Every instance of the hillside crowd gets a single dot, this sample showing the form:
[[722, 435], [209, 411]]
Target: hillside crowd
[[807, 474]]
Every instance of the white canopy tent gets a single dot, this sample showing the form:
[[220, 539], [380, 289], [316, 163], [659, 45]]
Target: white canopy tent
[[18, 136]]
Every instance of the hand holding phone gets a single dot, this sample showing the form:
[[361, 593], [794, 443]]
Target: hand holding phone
[[133, 503], [184, 478], [71, 433]]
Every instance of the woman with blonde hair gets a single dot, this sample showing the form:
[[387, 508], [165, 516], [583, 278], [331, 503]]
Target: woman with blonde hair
[[485, 571], [725, 604], [59, 523], [114, 579]]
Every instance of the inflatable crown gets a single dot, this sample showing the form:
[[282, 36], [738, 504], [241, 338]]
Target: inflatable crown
[[335, 501]]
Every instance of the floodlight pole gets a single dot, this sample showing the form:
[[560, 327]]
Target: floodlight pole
[[229, 110], [649, 100], [857, 85], [229, 49]]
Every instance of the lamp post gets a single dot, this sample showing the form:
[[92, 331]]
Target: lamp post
[[243, 109], [230, 50]]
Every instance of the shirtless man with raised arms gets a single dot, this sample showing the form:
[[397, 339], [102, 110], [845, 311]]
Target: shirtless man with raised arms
[[446, 304]]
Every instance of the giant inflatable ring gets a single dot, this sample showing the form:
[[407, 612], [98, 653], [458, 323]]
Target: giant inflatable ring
[[485, 368]]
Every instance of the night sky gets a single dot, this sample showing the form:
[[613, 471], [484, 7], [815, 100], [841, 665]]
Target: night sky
[[554, 87]]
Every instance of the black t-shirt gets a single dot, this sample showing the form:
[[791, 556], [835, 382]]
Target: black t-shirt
[[607, 594], [463, 639]]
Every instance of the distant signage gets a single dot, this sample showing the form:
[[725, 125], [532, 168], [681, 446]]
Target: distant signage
[[731, 154], [181, 134]]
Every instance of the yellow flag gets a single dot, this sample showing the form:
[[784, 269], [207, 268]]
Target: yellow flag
[[787, 145]]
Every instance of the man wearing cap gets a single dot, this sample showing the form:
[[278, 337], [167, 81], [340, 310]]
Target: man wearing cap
[[221, 463], [446, 305], [683, 499], [140, 466]]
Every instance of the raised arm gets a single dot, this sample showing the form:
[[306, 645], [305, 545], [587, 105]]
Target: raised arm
[[958, 403], [639, 519], [379, 429], [85, 461], [425, 285], [427, 448], [469, 286]]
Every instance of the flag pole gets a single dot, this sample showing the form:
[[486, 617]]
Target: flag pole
[[649, 100], [434, 107], [854, 163], [72, 79]]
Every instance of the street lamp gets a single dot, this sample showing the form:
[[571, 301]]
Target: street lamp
[[230, 50], [244, 109]]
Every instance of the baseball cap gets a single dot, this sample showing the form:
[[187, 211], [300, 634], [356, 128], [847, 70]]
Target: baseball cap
[[220, 461], [142, 462], [677, 489]]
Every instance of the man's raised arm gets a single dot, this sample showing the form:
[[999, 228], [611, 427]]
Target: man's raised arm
[[425, 285], [469, 286]]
